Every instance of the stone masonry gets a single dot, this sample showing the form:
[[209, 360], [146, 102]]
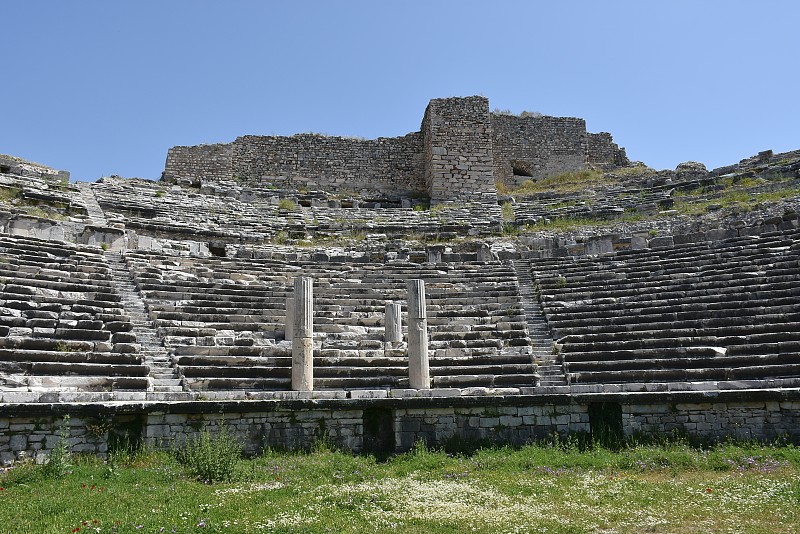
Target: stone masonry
[[536, 147], [459, 154], [458, 150], [298, 422]]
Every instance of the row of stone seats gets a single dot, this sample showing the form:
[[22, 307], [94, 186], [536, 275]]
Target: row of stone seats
[[46, 195], [617, 199], [700, 311], [62, 325], [224, 321], [151, 208]]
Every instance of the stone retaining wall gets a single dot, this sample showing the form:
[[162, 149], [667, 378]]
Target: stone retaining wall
[[395, 424]]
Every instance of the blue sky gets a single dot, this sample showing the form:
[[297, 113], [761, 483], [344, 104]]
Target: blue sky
[[99, 87]]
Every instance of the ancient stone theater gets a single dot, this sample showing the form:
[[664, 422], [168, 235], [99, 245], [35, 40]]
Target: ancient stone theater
[[491, 277]]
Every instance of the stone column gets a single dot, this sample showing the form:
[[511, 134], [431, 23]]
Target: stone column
[[394, 323], [485, 253], [418, 372], [435, 253], [303, 334], [288, 331]]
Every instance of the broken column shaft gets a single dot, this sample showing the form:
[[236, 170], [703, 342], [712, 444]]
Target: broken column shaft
[[303, 335], [394, 323], [418, 372], [288, 331]]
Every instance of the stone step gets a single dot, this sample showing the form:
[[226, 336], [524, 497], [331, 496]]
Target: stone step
[[162, 376], [171, 396], [173, 388], [158, 378], [172, 379], [538, 328]]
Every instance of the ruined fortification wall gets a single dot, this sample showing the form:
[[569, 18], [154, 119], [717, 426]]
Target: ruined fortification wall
[[459, 154], [389, 166], [458, 150], [536, 147], [206, 162], [603, 151]]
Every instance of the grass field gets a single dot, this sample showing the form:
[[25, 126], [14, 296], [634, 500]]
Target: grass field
[[539, 488]]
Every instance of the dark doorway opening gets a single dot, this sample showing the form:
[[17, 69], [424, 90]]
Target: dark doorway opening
[[520, 169], [378, 436], [125, 434], [217, 249], [605, 421]]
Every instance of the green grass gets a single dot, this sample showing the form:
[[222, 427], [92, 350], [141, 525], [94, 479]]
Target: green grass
[[542, 488], [7, 194], [287, 204], [507, 211], [563, 183], [635, 171]]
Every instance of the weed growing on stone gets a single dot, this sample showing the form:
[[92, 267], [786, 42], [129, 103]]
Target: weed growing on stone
[[7, 194], [211, 458], [287, 204], [563, 183], [58, 464], [507, 211]]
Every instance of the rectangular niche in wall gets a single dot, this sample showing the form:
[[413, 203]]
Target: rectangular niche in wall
[[605, 421], [378, 438]]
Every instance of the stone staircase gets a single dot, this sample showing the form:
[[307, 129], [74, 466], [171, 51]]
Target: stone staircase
[[164, 382], [550, 366], [93, 209]]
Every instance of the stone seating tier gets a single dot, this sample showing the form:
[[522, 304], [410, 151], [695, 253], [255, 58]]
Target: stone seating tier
[[696, 311], [155, 209], [217, 304], [62, 324]]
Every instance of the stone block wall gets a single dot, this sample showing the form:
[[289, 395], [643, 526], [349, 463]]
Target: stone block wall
[[535, 147], [258, 429], [458, 150], [35, 435], [757, 419], [201, 162], [396, 424], [503, 424], [604, 152], [390, 167], [458, 155]]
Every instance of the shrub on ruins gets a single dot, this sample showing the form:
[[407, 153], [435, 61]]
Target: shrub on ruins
[[507, 209], [58, 463], [566, 182], [287, 204], [211, 458]]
